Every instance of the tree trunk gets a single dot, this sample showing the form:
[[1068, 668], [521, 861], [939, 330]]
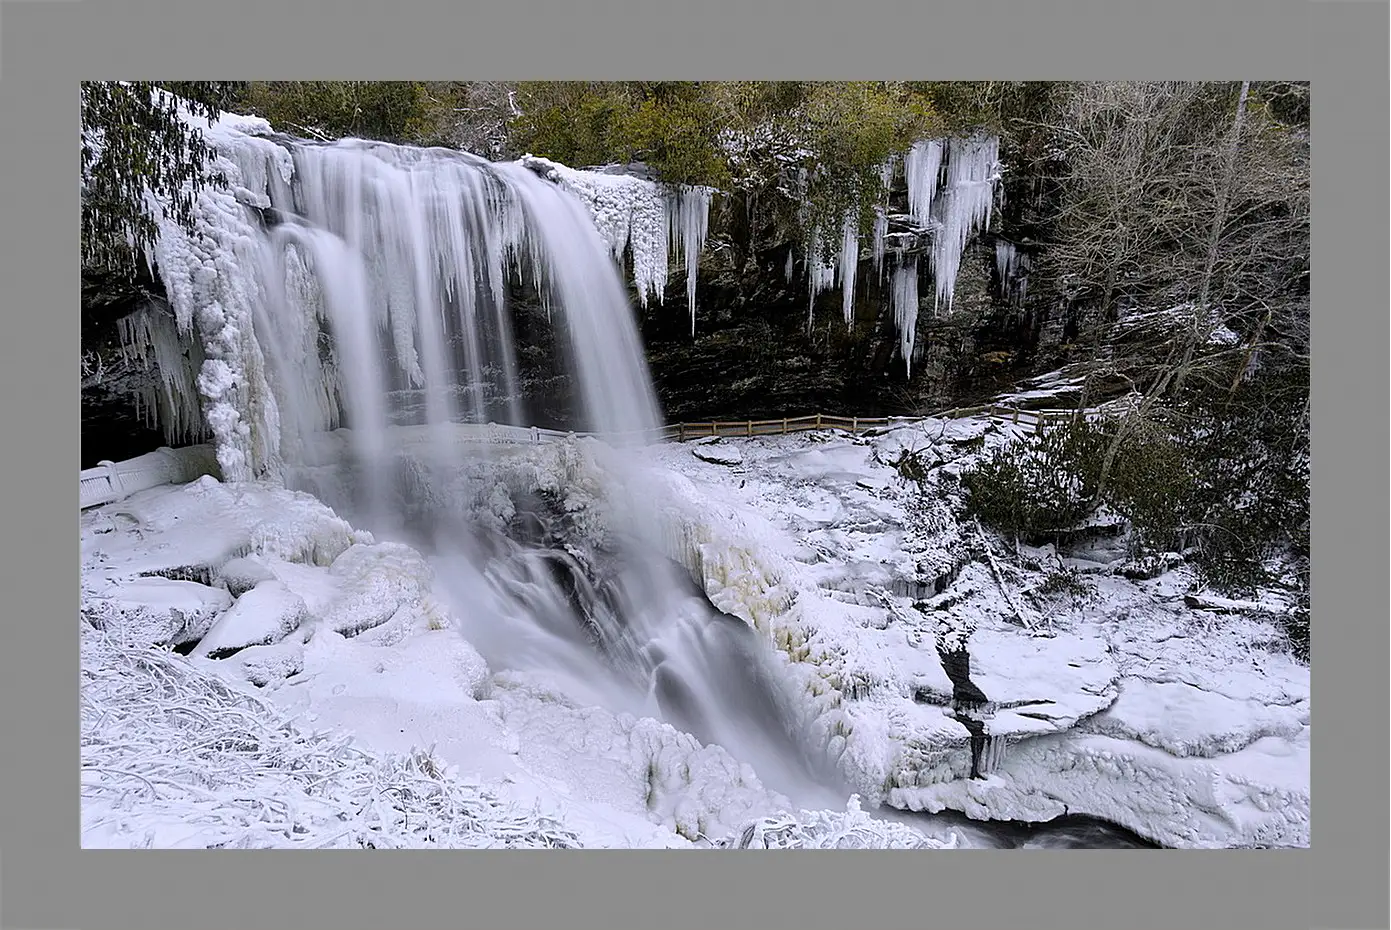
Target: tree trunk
[[1205, 324]]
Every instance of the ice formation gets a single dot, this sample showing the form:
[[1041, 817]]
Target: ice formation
[[392, 263], [849, 264], [150, 337], [881, 216], [821, 275], [904, 295], [645, 219], [922, 169], [963, 207], [951, 188], [881, 229], [1012, 266]]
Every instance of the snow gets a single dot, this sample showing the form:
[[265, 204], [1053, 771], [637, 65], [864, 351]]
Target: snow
[[1132, 707], [416, 742], [265, 614], [160, 610], [718, 454], [1186, 726], [173, 756]]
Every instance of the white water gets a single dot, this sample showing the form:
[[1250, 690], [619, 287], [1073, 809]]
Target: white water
[[379, 269]]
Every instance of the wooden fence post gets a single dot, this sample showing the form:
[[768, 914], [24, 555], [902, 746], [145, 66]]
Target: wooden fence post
[[748, 427], [784, 426], [818, 421]]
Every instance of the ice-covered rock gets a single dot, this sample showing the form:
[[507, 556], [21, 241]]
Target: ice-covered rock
[[158, 610], [265, 614]]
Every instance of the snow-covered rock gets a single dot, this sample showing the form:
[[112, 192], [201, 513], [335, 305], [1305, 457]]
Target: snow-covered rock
[[263, 615], [156, 610], [718, 454]]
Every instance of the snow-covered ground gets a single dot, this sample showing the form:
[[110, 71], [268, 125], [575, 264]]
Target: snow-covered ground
[[1188, 727], [353, 712]]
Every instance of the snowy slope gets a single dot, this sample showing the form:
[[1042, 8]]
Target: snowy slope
[[356, 714], [1131, 706]]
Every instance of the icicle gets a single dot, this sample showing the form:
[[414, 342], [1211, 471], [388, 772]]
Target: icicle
[[904, 298], [787, 272], [689, 229], [922, 167], [881, 229], [1004, 261], [820, 276], [1013, 268], [849, 264], [886, 174]]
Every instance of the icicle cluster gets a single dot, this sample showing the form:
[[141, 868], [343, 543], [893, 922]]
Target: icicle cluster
[[821, 276], [963, 207], [951, 190], [214, 302], [150, 339], [881, 216], [645, 219], [922, 168], [904, 299]]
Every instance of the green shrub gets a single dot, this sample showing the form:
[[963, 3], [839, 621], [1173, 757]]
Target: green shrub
[[1038, 484]]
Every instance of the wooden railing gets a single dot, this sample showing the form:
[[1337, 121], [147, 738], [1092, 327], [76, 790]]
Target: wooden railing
[[111, 481], [1038, 420]]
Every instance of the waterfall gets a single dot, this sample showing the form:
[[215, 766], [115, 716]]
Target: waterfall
[[324, 282]]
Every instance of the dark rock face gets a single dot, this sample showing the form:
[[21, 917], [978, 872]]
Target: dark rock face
[[113, 424], [756, 352]]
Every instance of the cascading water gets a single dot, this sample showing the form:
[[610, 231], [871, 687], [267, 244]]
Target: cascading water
[[376, 277]]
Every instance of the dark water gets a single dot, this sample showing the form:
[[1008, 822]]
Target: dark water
[[1070, 831]]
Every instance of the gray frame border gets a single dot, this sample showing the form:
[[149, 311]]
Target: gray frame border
[[47, 48]]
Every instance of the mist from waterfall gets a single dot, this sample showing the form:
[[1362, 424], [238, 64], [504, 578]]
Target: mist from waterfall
[[376, 276]]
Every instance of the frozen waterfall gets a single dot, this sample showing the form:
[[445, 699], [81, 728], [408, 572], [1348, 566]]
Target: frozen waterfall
[[326, 279]]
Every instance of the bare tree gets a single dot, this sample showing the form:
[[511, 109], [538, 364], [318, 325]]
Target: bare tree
[[1181, 193]]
